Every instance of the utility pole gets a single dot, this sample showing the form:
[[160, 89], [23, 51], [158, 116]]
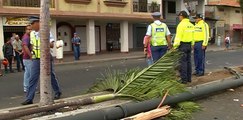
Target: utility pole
[[45, 71]]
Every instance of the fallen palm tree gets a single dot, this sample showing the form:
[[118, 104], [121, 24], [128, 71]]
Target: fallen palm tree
[[151, 82]]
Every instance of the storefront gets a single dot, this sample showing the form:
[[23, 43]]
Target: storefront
[[65, 32], [14, 25], [9, 25], [237, 33], [96, 36]]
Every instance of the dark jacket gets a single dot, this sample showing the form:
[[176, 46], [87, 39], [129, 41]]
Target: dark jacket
[[7, 50]]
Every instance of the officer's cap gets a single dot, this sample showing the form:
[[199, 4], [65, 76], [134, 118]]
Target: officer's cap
[[198, 16], [183, 14], [156, 14], [32, 19]]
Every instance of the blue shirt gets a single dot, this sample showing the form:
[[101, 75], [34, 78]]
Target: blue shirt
[[76, 41]]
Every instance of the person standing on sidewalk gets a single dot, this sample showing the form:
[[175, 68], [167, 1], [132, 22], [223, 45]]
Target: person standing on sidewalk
[[17, 45], [35, 70], [59, 52], [27, 60], [201, 37], [184, 42], [158, 36], [76, 41], [8, 54]]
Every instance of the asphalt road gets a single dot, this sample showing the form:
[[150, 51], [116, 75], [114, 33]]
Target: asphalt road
[[76, 79]]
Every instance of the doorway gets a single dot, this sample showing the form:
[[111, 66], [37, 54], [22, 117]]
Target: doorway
[[81, 31], [8, 30], [237, 36], [113, 36], [64, 33]]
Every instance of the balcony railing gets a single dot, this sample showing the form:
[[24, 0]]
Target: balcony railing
[[26, 3], [146, 7]]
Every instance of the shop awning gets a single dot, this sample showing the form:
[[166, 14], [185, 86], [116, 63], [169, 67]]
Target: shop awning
[[237, 26]]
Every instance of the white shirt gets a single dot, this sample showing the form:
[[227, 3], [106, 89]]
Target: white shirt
[[227, 38], [157, 22]]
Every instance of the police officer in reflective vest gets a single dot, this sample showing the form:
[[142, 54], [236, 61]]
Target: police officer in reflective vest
[[184, 42], [201, 37], [158, 37], [35, 70]]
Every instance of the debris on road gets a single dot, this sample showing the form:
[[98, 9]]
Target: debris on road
[[58, 113], [156, 113], [231, 90]]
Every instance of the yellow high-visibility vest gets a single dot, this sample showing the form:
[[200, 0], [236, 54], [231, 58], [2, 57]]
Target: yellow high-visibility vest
[[184, 33], [158, 37], [201, 32], [35, 45]]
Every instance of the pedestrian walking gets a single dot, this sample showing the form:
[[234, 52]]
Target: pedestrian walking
[[27, 60], [148, 55], [158, 37], [17, 46], [227, 42], [59, 51], [184, 43], [201, 37], [35, 70], [8, 55], [76, 41]]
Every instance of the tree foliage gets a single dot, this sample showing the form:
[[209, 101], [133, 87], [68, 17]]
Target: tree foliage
[[151, 82]]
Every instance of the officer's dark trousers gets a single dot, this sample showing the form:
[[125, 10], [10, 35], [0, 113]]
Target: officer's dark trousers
[[185, 62], [199, 58], [35, 74], [158, 52]]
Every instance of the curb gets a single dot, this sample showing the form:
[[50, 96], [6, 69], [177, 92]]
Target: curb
[[97, 60]]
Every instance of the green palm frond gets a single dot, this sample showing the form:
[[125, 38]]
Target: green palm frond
[[189, 106], [113, 81], [153, 81], [183, 111]]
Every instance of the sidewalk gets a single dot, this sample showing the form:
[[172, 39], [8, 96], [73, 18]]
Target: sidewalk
[[117, 55]]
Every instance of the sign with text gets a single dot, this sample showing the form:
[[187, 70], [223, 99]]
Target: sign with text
[[15, 21]]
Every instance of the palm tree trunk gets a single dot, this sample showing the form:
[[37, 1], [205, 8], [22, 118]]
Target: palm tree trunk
[[34, 110], [45, 76]]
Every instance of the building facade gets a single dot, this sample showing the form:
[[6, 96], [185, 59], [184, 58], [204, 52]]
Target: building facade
[[225, 18], [102, 24]]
